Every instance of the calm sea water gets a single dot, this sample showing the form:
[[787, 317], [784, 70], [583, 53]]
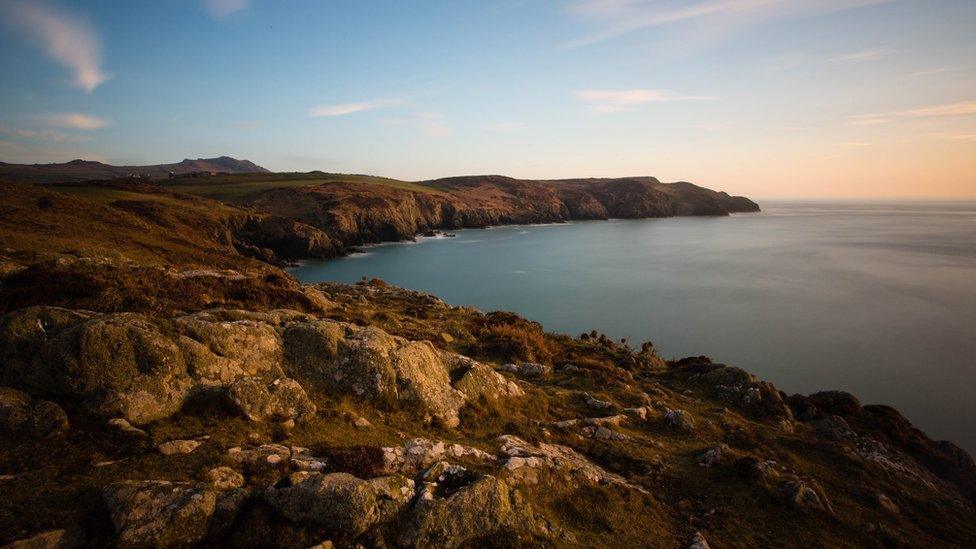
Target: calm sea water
[[877, 299]]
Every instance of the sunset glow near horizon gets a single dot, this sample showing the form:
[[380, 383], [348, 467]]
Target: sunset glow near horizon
[[764, 98]]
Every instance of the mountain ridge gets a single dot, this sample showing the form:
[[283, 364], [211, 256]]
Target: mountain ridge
[[79, 170]]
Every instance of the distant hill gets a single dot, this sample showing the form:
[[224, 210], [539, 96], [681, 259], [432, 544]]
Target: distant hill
[[87, 170]]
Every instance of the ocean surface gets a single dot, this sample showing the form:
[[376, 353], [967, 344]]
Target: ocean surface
[[878, 299]]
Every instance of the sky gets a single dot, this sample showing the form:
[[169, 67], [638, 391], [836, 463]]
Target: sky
[[765, 98]]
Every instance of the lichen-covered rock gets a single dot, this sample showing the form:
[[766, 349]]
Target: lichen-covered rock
[[120, 425], [483, 509], [173, 447], [118, 365], [224, 478], [23, 332], [764, 400], [680, 420], [713, 456], [252, 345], [160, 513], [422, 377], [480, 380], [798, 494], [419, 453], [698, 541], [528, 369], [838, 403], [339, 501], [261, 458], [281, 400], [20, 413], [52, 539], [551, 463]]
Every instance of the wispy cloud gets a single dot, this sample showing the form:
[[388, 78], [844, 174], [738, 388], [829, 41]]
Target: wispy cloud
[[860, 56], [611, 101], [613, 18], [248, 125], [342, 109], [222, 8], [66, 37], [950, 110], [74, 120], [40, 135]]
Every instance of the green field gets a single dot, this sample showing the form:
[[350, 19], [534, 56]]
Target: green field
[[235, 189]]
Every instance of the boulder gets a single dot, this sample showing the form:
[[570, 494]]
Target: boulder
[[838, 403], [118, 365], [550, 463], [713, 456], [339, 501], [23, 332], [764, 400], [20, 413], [52, 539], [480, 380], [122, 426], [419, 453], [422, 377], [162, 513], [281, 400], [224, 478], [251, 344], [528, 369], [698, 541], [484, 509], [798, 494], [680, 420], [173, 447]]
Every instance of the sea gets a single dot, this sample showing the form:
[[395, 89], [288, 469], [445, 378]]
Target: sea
[[874, 298]]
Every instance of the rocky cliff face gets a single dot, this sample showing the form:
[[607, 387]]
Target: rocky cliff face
[[356, 213]]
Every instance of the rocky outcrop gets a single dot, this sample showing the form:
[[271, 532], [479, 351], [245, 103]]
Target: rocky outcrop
[[168, 514], [141, 369], [281, 400], [339, 501], [485, 509]]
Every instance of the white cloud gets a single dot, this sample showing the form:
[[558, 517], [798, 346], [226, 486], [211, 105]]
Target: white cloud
[[342, 109], [860, 56], [950, 110], [611, 101], [614, 18], [712, 126], [222, 8], [74, 120], [65, 37]]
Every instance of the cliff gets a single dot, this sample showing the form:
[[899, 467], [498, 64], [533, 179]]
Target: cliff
[[162, 386], [357, 213]]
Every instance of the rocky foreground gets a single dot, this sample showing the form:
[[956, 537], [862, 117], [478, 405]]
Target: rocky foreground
[[160, 394], [287, 428]]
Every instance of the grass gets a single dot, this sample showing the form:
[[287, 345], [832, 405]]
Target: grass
[[236, 189]]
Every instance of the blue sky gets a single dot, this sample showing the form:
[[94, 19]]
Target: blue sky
[[763, 97]]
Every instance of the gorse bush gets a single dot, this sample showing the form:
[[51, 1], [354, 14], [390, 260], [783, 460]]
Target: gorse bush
[[510, 337]]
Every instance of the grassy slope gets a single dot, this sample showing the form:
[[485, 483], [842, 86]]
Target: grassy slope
[[236, 189]]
